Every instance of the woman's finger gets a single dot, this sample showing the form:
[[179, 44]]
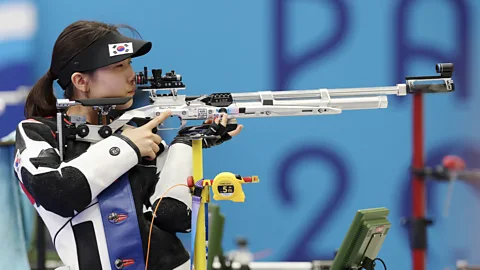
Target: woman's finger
[[155, 147], [224, 119], [152, 155], [157, 139]]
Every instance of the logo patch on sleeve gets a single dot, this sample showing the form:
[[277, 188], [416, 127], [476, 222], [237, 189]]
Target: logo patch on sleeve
[[114, 151], [120, 48]]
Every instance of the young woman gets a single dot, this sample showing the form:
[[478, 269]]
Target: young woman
[[97, 202]]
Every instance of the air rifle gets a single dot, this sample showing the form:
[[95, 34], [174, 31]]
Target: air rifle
[[241, 105]]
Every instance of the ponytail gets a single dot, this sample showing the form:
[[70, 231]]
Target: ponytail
[[41, 100]]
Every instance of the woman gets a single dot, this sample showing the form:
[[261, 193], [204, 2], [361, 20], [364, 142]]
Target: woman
[[97, 202]]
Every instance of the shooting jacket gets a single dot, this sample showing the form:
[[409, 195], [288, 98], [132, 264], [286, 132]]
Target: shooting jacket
[[97, 203]]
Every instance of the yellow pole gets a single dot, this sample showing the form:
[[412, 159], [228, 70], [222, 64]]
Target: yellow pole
[[200, 248]]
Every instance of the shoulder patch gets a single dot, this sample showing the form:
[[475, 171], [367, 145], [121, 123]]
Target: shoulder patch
[[47, 158], [16, 163]]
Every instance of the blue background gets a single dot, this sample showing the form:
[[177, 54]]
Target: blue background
[[315, 172]]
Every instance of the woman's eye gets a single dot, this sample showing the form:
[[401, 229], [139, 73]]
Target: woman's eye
[[123, 65]]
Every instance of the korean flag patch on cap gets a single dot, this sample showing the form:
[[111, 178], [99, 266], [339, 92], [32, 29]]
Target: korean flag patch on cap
[[120, 48]]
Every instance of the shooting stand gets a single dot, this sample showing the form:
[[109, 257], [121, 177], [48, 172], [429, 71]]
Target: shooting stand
[[226, 186]]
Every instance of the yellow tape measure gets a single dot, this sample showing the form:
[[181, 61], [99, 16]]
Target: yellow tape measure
[[228, 186]]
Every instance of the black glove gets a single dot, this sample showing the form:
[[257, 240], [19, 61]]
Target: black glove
[[216, 134]]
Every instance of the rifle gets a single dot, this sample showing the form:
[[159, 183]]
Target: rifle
[[238, 105]]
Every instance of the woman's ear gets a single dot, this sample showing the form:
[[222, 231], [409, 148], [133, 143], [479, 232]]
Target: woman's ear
[[80, 81]]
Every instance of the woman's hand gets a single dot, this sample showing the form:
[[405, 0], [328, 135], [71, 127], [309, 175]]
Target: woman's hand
[[224, 122], [143, 137], [219, 127], [217, 131]]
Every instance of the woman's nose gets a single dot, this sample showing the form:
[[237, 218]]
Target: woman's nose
[[131, 77]]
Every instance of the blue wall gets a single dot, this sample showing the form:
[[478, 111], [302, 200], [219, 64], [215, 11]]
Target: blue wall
[[316, 172]]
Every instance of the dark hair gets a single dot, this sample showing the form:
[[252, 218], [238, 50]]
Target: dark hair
[[41, 100]]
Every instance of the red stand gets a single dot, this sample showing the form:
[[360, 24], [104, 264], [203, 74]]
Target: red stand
[[418, 223], [418, 188]]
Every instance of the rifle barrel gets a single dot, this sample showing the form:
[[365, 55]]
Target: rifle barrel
[[385, 90], [318, 93]]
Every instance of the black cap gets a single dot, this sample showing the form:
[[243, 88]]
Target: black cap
[[109, 49]]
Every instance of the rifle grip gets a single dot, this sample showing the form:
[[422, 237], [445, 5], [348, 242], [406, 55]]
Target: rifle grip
[[142, 121]]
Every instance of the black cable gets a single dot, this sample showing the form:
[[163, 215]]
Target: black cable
[[68, 221], [378, 259]]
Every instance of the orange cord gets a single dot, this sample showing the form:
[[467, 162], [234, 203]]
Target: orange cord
[[153, 218]]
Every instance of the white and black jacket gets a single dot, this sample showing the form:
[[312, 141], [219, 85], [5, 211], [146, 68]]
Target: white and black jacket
[[96, 202]]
